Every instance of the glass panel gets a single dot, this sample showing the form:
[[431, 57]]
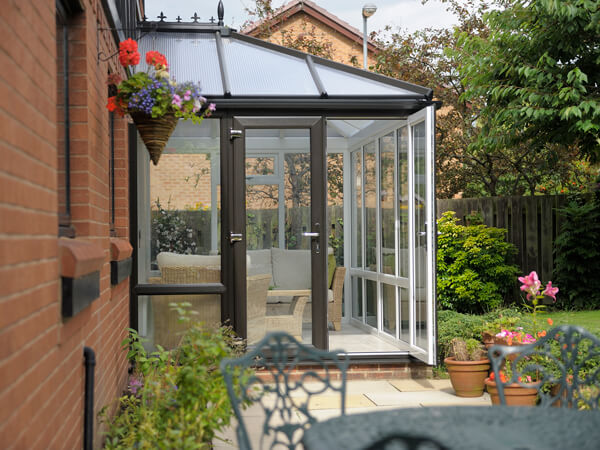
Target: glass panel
[[389, 309], [371, 205], [278, 214], [357, 298], [262, 217], [191, 57], [335, 205], [260, 166], [419, 144], [403, 257], [277, 73], [404, 314], [161, 325], [371, 303], [339, 82], [357, 210], [387, 148]]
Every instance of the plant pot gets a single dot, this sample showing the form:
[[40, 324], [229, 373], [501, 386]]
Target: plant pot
[[488, 339], [155, 132], [515, 394], [467, 377]]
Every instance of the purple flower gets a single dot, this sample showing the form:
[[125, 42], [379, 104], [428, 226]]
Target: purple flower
[[134, 385]]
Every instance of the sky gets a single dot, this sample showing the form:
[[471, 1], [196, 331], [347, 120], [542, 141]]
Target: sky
[[410, 15]]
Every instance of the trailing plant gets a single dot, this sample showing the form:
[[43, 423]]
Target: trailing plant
[[474, 270], [178, 398], [576, 253]]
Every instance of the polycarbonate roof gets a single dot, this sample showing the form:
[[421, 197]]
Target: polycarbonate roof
[[228, 64]]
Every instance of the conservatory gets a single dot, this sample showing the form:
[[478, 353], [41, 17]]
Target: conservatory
[[305, 203]]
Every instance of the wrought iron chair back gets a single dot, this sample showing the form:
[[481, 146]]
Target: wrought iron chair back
[[564, 366], [284, 395]]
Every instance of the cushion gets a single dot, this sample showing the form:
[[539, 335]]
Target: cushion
[[261, 262], [291, 268], [330, 268], [169, 259]]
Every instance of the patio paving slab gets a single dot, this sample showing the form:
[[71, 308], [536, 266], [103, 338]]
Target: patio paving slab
[[421, 384]]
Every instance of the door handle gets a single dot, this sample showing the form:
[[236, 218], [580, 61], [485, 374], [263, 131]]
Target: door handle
[[310, 234], [422, 233], [235, 237]]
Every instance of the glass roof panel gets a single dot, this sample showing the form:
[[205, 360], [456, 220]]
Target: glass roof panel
[[255, 70], [191, 57], [338, 82]]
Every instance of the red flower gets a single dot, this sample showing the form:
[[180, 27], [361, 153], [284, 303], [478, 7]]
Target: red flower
[[154, 58], [113, 106], [128, 54]]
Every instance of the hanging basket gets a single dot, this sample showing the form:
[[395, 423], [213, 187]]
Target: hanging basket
[[155, 132]]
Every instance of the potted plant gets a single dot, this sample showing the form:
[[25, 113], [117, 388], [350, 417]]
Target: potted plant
[[520, 382], [153, 100], [468, 367]]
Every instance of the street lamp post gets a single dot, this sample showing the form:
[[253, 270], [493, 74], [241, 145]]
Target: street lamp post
[[367, 11]]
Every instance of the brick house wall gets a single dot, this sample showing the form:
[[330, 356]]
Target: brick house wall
[[42, 374]]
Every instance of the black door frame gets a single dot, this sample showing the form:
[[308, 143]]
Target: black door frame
[[234, 218]]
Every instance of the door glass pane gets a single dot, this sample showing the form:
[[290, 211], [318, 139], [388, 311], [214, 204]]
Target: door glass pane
[[389, 309], [357, 209], [179, 215], [420, 235], [278, 214], [403, 256], [404, 314], [387, 148], [371, 205], [357, 298], [371, 303]]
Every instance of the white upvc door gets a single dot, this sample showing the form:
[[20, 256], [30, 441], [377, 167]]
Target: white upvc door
[[422, 234]]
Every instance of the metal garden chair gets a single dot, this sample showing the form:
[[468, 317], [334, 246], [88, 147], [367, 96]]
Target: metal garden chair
[[405, 442], [283, 393], [564, 366]]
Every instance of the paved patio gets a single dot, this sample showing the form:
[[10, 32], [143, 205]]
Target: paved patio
[[365, 396]]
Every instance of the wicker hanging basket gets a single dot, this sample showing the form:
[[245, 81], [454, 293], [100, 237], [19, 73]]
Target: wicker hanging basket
[[155, 132]]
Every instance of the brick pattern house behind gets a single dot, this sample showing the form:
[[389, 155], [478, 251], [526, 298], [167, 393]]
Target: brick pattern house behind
[[42, 373]]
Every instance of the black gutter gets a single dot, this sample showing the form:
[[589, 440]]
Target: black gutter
[[88, 417]]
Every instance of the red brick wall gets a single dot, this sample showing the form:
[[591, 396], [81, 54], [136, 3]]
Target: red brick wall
[[41, 355]]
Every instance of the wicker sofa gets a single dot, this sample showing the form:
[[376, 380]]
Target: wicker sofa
[[188, 270]]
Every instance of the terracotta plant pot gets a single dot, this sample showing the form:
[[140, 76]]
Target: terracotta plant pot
[[467, 377], [515, 394], [155, 132]]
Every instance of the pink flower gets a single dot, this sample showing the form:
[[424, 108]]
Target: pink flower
[[212, 106], [550, 291], [176, 100], [531, 284], [187, 95]]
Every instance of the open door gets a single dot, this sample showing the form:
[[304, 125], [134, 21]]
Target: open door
[[278, 231], [422, 233]]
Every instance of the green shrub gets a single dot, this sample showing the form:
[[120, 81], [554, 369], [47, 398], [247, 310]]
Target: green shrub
[[451, 324], [577, 252], [474, 274], [178, 398]]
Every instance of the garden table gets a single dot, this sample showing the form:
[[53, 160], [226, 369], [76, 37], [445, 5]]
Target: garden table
[[463, 427]]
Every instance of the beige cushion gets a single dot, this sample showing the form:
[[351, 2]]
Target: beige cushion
[[260, 262], [169, 259], [291, 268]]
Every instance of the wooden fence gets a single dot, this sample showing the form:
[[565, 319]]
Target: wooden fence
[[532, 224]]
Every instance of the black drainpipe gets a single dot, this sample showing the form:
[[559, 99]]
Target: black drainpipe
[[88, 418]]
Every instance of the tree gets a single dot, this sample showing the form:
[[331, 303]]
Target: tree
[[431, 58], [537, 75]]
